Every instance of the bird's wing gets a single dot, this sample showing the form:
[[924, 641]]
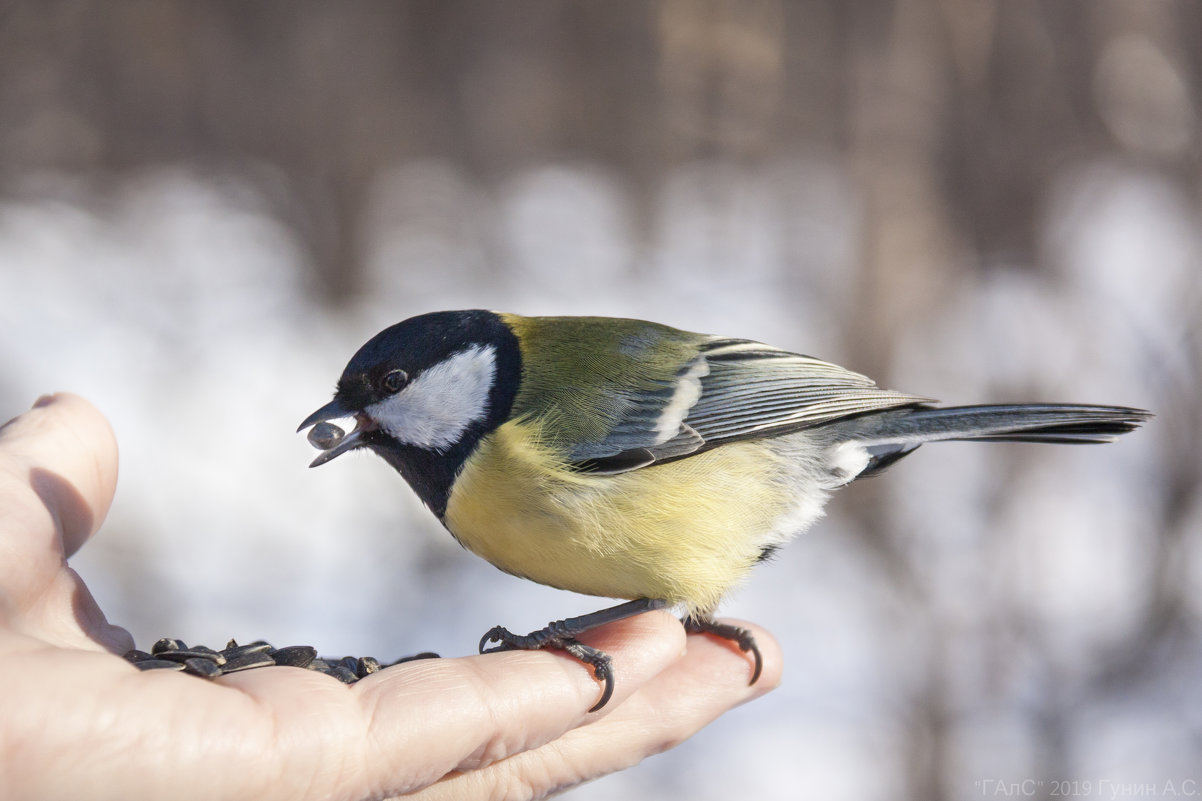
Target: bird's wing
[[754, 390], [647, 426], [731, 389], [608, 394]]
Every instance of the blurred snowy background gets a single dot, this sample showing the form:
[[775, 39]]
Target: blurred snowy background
[[206, 207]]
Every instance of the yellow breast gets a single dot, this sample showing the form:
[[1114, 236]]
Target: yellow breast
[[684, 531]]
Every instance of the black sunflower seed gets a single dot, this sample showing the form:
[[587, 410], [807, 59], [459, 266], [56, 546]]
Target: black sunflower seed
[[254, 659], [195, 652], [233, 650], [343, 674], [158, 664], [199, 666], [300, 656], [167, 644], [324, 436]]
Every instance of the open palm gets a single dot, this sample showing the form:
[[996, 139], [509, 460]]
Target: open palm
[[80, 722]]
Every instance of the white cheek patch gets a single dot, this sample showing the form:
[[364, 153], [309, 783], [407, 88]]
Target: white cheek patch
[[439, 405]]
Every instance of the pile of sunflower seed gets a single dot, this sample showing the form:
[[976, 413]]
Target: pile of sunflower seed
[[200, 660]]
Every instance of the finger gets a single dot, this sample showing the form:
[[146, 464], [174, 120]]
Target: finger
[[709, 680], [58, 471], [487, 708], [64, 451]]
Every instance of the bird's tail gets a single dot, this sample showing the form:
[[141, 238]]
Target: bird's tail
[[891, 435]]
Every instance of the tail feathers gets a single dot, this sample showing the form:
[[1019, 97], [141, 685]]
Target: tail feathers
[[891, 435], [1065, 423]]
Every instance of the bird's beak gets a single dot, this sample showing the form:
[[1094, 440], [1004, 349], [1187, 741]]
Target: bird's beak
[[333, 411]]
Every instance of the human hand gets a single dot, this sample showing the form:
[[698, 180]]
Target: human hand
[[80, 722]]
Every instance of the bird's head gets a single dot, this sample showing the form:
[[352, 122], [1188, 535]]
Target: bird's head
[[434, 383]]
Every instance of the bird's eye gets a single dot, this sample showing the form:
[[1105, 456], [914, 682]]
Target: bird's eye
[[395, 380]]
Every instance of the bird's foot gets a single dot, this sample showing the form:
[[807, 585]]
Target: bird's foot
[[595, 658], [561, 634], [736, 634]]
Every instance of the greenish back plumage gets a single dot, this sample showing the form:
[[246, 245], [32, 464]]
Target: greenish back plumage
[[612, 395], [587, 378]]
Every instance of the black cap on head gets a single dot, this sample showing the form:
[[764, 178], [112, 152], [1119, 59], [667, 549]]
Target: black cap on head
[[415, 345]]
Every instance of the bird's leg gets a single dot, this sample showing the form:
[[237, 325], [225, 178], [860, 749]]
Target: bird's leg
[[739, 636], [562, 634]]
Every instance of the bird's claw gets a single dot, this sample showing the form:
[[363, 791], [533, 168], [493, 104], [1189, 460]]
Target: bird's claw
[[736, 634], [598, 660]]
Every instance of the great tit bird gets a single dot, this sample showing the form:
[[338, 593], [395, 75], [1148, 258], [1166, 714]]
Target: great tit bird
[[628, 459]]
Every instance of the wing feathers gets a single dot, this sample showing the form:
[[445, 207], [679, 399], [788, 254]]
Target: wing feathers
[[753, 388], [734, 389]]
